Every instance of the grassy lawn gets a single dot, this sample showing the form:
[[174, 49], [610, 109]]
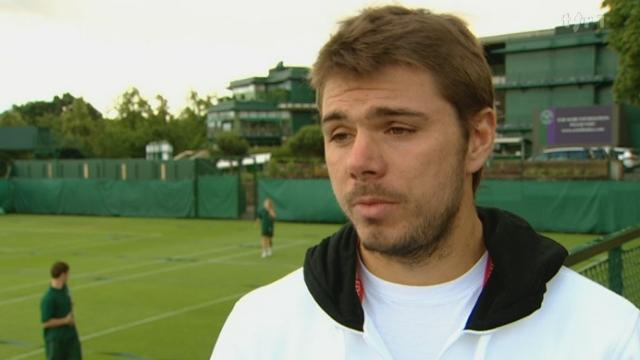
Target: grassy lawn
[[143, 288]]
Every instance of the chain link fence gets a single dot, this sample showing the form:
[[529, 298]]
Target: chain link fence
[[614, 262]]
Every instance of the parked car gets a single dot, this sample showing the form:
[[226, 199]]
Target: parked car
[[511, 148], [629, 157], [571, 153]]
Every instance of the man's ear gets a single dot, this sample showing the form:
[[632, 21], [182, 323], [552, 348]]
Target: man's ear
[[482, 132]]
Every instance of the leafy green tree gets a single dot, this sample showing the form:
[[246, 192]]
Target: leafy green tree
[[115, 141], [623, 22], [74, 123], [189, 130], [78, 129], [231, 144], [308, 141], [137, 123], [46, 113], [157, 123], [12, 118]]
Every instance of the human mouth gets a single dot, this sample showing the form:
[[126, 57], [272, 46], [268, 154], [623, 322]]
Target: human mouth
[[373, 207]]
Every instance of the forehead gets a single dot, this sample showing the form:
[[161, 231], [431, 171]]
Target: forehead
[[394, 85]]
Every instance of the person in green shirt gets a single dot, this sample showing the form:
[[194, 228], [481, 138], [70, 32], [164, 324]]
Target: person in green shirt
[[56, 309], [267, 216]]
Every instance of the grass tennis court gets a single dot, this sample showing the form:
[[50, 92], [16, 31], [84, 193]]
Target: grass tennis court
[[142, 288]]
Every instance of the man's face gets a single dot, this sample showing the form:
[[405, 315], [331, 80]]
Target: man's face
[[396, 159], [64, 277]]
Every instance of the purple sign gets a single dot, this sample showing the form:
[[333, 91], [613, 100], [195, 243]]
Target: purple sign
[[578, 125]]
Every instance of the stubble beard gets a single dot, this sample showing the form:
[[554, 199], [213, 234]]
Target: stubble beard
[[425, 235]]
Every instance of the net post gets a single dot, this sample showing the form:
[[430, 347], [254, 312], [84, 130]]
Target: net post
[[615, 270]]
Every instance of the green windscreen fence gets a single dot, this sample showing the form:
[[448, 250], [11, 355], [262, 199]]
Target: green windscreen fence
[[220, 197], [151, 198], [6, 196], [559, 206], [214, 197], [566, 206], [114, 169], [301, 200]]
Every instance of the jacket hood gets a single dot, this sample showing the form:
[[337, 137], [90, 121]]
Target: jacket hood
[[523, 262]]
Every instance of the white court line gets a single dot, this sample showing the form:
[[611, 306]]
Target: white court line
[[141, 322], [94, 243], [127, 267], [143, 274]]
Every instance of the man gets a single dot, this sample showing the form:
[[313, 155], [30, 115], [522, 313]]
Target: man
[[60, 335], [266, 217], [406, 104]]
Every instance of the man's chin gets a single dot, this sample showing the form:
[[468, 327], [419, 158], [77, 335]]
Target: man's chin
[[374, 234]]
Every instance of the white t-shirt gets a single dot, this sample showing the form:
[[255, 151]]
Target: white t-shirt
[[415, 322]]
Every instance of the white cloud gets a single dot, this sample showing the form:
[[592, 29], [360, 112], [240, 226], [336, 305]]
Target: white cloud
[[97, 49]]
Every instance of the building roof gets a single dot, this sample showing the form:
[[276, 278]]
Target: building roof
[[498, 39], [559, 37], [248, 81], [279, 73]]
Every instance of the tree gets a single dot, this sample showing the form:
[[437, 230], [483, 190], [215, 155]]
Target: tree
[[231, 144], [623, 22], [189, 129], [77, 128], [74, 123], [308, 141], [12, 118], [46, 113], [137, 123]]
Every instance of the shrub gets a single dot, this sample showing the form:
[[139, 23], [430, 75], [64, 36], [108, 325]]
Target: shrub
[[231, 144], [308, 141]]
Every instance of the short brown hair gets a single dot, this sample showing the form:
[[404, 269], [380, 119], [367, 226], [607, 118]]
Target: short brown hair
[[393, 35], [59, 268]]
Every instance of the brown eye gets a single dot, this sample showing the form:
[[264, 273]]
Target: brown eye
[[396, 130], [340, 137]]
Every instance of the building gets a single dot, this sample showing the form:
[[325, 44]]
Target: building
[[266, 110], [554, 87], [27, 141]]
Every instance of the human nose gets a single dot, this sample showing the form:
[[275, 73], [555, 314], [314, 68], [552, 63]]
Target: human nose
[[365, 160]]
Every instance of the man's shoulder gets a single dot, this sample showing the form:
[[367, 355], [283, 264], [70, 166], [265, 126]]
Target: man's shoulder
[[588, 306], [568, 287], [284, 304], [48, 294], [284, 295], [276, 321]]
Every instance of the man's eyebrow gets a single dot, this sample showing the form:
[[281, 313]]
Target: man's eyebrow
[[381, 112], [333, 116], [378, 112]]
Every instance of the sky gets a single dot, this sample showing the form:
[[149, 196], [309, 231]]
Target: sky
[[97, 49]]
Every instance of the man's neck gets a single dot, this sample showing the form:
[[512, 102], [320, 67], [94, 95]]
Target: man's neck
[[57, 284], [459, 252]]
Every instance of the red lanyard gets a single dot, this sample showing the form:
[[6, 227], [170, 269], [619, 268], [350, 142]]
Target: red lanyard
[[360, 288]]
